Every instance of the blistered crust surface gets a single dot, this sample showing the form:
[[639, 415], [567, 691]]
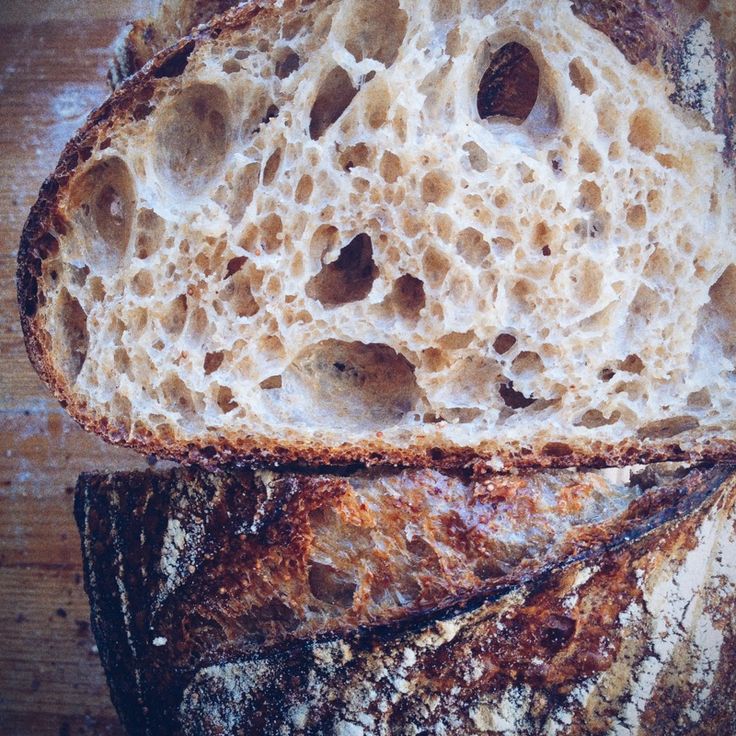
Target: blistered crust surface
[[401, 226], [206, 601], [639, 641]]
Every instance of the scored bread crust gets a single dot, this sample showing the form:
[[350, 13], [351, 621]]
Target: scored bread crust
[[211, 447], [626, 609]]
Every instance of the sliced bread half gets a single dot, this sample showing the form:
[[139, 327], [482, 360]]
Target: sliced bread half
[[409, 232]]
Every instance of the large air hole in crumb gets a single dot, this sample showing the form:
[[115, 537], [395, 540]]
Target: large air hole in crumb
[[271, 347], [121, 361], [234, 265], [331, 586], [175, 316], [377, 103], [271, 168], [238, 292], [335, 94], [407, 296], [666, 428], [399, 123], [718, 317], [522, 296], [287, 62], [590, 195], [477, 157], [510, 85], [324, 240], [350, 385], [244, 185], [632, 364], [151, 229], [594, 418], [304, 189], [271, 233], [503, 343], [71, 338], [212, 361], [225, 399], [358, 155], [644, 130], [654, 200], [231, 66], [272, 382], [636, 217], [700, 399], [646, 305], [349, 278], [142, 283], [435, 360], [456, 340], [589, 159], [374, 30], [581, 77], [527, 364], [436, 266], [177, 396], [390, 167], [192, 138], [586, 282], [472, 246], [436, 187], [512, 398], [104, 202], [258, 109]]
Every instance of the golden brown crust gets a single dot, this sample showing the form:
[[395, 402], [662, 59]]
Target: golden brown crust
[[129, 102], [575, 634]]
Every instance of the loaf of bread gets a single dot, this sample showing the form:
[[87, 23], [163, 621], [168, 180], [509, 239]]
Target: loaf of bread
[[418, 233], [415, 602]]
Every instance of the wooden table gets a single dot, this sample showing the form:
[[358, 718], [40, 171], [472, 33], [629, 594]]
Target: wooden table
[[53, 60]]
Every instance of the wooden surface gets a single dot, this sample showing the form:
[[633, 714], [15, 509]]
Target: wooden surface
[[53, 60]]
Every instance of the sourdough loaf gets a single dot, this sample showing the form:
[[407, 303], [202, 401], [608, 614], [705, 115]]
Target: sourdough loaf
[[348, 232], [412, 602]]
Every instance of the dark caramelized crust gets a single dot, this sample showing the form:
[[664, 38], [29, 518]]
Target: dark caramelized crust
[[316, 599]]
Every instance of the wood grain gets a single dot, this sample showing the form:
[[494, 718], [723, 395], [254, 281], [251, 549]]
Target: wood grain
[[53, 60]]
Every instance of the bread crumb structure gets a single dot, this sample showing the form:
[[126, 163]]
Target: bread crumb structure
[[468, 224]]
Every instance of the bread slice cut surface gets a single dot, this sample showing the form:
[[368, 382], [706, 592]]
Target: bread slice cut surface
[[392, 231]]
